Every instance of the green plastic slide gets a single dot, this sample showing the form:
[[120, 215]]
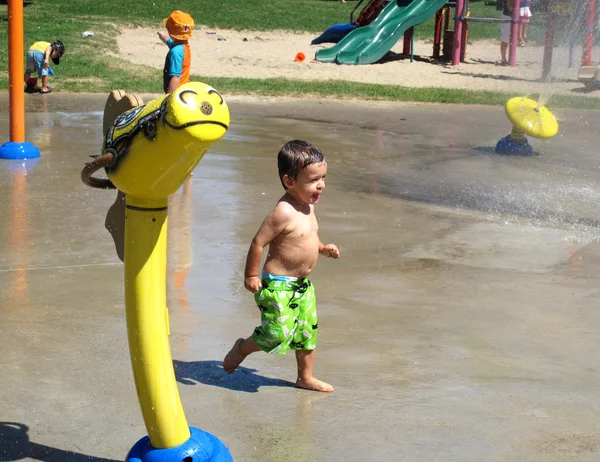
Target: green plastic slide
[[368, 44]]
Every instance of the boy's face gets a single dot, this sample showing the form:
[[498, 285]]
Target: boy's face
[[309, 185]]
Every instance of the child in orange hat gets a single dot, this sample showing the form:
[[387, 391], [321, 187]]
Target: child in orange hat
[[177, 64]]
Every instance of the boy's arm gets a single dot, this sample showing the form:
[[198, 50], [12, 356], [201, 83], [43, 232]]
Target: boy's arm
[[173, 84], [329, 250], [253, 259], [272, 226], [163, 36]]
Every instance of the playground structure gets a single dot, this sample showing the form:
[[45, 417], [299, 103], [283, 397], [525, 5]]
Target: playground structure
[[443, 36], [148, 151], [381, 23], [588, 74], [462, 20]]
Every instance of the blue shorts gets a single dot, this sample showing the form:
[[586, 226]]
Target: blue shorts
[[35, 63]]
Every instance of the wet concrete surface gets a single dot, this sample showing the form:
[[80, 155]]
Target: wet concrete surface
[[460, 324]]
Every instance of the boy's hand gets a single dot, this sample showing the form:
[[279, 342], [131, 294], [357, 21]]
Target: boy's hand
[[163, 36], [253, 284], [331, 251], [46, 64]]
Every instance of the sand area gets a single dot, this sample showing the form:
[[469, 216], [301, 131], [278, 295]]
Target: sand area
[[265, 54]]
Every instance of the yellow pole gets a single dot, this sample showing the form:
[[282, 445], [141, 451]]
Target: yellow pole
[[147, 324], [149, 151]]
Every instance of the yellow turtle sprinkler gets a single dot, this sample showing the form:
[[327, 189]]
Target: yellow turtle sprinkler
[[148, 151], [528, 118]]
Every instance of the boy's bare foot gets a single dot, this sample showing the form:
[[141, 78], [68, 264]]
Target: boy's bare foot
[[314, 384], [234, 358]]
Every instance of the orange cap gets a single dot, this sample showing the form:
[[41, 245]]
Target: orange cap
[[179, 25], [299, 57]]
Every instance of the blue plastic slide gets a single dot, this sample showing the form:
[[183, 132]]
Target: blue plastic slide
[[334, 33]]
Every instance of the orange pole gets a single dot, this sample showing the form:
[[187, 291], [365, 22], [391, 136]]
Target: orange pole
[[15, 71]]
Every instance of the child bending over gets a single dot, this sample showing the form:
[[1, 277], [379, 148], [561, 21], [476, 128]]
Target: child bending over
[[38, 61]]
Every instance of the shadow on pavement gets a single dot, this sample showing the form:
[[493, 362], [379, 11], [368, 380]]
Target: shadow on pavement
[[15, 445], [212, 373]]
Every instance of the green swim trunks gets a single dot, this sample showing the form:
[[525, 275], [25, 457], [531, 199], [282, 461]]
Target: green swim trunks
[[288, 315]]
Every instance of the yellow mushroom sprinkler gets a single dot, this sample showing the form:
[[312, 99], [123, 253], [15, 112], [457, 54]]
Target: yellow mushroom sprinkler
[[147, 153], [528, 118]]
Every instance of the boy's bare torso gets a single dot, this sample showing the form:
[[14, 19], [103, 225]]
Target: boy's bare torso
[[294, 252]]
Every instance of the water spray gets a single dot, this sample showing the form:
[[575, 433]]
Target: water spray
[[528, 117]]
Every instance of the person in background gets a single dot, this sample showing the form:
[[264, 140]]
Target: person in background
[[178, 61], [524, 18], [38, 61], [506, 6]]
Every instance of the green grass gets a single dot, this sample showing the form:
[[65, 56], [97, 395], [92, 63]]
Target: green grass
[[90, 68]]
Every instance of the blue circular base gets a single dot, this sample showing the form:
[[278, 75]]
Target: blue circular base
[[25, 150], [200, 447], [510, 145]]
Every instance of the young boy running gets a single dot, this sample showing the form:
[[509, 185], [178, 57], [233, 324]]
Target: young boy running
[[284, 295]]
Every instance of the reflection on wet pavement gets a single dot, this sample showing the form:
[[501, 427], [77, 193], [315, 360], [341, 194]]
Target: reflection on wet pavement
[[460, 324]]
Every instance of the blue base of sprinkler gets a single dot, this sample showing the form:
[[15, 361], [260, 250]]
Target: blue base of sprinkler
[[25, 150], [200, 447], [510, 145]]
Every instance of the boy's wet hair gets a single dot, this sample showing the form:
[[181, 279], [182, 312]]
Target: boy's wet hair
[[296, 155]]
